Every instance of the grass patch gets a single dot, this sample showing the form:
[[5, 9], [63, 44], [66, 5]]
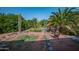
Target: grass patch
[[27, 38]]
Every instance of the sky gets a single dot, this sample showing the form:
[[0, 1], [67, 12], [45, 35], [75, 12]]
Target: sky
[[31, 12]]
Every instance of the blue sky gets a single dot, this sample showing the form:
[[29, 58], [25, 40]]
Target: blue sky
[[30, 12]]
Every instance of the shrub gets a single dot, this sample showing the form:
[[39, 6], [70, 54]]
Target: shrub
[[27, 37]]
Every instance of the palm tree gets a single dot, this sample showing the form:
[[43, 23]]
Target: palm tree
[[64, 19]]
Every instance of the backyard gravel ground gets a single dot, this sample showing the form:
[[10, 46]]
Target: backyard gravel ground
[[60, 44]]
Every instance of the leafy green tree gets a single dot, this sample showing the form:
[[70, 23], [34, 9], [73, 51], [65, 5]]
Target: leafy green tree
[[43, 23], [34, 22], [9, 23]]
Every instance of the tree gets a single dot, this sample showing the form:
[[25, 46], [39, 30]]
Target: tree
[[34, 22], [43, 23], [63, 19], [9, 23]]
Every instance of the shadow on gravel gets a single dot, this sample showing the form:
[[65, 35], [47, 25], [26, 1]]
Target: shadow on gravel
[[57, 45]]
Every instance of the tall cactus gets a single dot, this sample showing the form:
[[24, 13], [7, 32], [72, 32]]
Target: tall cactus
[[19, 23]]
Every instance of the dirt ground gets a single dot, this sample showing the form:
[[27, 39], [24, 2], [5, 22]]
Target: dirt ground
[[60, 44], [14, 35]]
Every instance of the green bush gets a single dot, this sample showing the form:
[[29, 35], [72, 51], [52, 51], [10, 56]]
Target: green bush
[[27, 37]]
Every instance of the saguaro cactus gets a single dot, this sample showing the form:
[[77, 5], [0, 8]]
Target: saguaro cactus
[[19, 23]]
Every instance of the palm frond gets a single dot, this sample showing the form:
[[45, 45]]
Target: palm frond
[[72, 30]]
